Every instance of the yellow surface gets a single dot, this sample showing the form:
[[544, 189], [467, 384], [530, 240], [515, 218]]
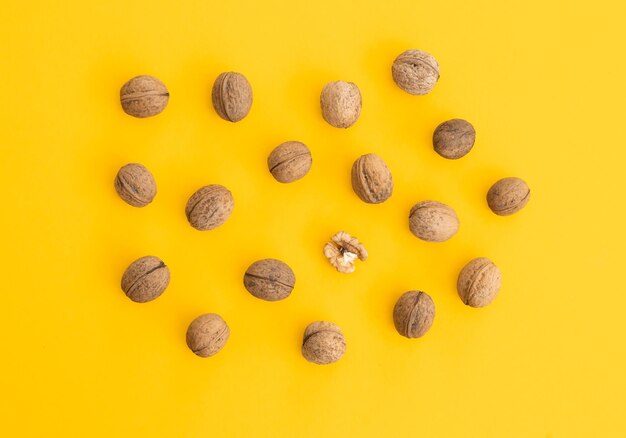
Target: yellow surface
[[543, 83]]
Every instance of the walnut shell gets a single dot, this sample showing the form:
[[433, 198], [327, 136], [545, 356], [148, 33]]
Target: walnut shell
[[479, 282], [135, 185], [145, 279], [415, 71], [209, 207], [269, 280], [232, 96], [371, 179], [413, 314], [289, 161], [144, 96], [207, 334], [323, 343], [341, 103], [433, 221], [454, 139], [508, 196]]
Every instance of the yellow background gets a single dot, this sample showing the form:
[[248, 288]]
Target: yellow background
[[543, 83]]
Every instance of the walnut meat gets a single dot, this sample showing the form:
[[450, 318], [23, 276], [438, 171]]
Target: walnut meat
[[371, 179], [343, 250]]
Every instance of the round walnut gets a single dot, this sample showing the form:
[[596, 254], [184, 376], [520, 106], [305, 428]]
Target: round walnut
[[323, 343], [479, 282], [209, 207], [454, 139], [416, 72], [269, 280], [371, 179], [289, 161], [135, 185], [232, 96], [144, 96], [508, 196], [145, 279], [413, 314], [341, 103], [433, 221], [207, 334]]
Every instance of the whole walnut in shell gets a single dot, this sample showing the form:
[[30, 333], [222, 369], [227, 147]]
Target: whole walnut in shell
[[232, 96], [371, 179], [144, 96], [135, 185], [323, 343], [416, 72], [508, 196], [341, 103], [479, 282], [413, 314], [145, 279], [269, 279], [209, 207], [454, 139], [207, 334], [433, 221], [289, 161]]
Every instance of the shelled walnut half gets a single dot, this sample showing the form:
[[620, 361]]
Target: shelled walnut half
[[343, 250]]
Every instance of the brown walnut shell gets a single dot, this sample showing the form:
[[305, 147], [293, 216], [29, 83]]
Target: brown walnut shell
[[144, 96], [413, 314], [135, 185], [207, 334], [145, 279], [433, 221], [479, 282], [289, 161], [454, 139], [341, 103], [416, 72], [209, 207], [371, 179], [232, 96], [269, 280], [508, 196], [323, 343]]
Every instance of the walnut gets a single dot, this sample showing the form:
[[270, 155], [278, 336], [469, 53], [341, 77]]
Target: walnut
[[343, 250]]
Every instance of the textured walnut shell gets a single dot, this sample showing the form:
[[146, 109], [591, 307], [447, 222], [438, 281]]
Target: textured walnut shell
[[454, 139], [433, 221], [323, 343], [209, 207], [269, 280], [145, 279], [413, 314], [144, 96], [416, 72], [479, 282], [508, 196], [207, 334], [289, 161], [371, 179], [135, 185], [341, 103], [232, 96]]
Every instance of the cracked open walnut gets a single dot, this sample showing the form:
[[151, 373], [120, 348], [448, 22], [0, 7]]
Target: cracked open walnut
[[343, 250]]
